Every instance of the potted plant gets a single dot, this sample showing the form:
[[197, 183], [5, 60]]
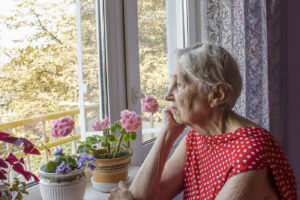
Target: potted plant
[[17, 188], [64, 177], [114, 156]]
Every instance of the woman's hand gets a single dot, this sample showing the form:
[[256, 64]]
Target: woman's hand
[[120, 193], [170, 125]]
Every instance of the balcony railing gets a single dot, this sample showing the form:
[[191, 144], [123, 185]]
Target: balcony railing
[[10, 127]]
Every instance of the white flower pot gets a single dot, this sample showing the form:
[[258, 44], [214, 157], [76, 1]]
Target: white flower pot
[[70, 186]]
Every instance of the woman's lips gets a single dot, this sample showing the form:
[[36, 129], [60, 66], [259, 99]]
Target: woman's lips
[[173, 108]]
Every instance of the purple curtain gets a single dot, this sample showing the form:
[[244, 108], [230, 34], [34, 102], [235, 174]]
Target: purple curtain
[[251, 31]]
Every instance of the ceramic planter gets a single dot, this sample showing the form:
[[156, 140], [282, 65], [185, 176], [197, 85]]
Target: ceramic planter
[[110, 171], [70, 186]]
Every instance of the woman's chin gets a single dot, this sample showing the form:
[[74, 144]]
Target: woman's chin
[[177, 119]]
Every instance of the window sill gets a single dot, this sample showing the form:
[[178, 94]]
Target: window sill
[[90, 192]]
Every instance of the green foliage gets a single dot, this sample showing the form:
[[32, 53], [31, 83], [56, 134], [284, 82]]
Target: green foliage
[[133, 135], [17, 187], [90, 144], [50, 167], [40, 69], [126, 138], [112, 139], [104, 154], [110, 142], [70, 161]]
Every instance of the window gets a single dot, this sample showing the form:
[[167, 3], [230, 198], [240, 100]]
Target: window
[[153, 30], [153, 60], [87, 59], [48, 53]]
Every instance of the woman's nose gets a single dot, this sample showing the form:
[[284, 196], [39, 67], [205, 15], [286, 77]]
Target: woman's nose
[[169, 96]]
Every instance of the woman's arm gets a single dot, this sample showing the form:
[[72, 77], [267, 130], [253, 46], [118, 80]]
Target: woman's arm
[[251, 185], [171, 183], [147, 182]]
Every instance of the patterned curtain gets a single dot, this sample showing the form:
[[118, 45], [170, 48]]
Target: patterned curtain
[[251, 31]]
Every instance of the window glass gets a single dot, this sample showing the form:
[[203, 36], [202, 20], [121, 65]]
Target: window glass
[[39, 68], [153, 60]]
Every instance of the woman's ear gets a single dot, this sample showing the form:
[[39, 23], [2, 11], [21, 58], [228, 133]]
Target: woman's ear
[[218, 94]]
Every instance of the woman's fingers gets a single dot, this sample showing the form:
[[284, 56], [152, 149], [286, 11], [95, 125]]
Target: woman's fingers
[[122, 185], [114, 190], [120, 193]]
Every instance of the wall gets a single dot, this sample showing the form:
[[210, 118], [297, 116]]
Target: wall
[[292, 135]]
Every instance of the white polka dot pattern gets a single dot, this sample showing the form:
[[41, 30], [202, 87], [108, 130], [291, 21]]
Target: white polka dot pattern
[[212, 160]]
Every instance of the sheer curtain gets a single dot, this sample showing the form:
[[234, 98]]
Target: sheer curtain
[[251, 31]]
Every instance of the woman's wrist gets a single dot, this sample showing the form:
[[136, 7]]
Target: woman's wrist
[[168, 136]]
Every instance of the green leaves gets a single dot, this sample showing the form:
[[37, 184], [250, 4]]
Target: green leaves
[[17, 186], [51, 167], [92, 140], [112, 138], [129, 136], [115, 127], [104, 144], [126, 138], [86, 148], [71, 162], [123, 132], [90, 143], [133, 135]]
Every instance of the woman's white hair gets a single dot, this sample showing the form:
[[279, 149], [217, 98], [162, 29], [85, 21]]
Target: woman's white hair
[[209, 64]]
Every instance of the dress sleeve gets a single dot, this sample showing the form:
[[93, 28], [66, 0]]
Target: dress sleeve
[[250, 157], [265, 152]]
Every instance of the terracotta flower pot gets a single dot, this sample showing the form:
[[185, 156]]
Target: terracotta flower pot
[[112, 170]]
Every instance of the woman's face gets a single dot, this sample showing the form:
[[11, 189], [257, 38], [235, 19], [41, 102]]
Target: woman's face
[[188, 104]]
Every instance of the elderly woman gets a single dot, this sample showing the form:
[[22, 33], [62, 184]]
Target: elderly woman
[[224, 155]]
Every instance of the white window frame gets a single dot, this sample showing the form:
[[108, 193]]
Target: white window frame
[[111, 31], [175, 32], [122, 56]]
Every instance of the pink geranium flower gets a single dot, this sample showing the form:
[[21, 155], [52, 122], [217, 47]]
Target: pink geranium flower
[[149, 104], [101, 125], [62, 126], [130, 121]]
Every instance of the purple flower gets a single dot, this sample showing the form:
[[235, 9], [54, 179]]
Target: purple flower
[[62, 168], [58, 150], [90, 158], [68, 169], [85, 157], [80, 163], [92, 166]]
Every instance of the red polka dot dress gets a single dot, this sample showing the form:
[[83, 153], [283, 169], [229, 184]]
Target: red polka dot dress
[[212, 160]]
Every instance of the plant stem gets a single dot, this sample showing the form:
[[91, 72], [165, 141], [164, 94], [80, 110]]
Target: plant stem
[[75, 138], [108, 150], [118, 146]]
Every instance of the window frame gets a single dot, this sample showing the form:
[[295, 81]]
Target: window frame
[[175, 32]]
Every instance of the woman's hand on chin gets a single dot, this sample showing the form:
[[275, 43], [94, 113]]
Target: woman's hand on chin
[[120, 193], [170, 125]]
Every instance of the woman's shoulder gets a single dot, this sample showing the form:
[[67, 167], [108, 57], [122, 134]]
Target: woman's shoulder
[[257, 150]]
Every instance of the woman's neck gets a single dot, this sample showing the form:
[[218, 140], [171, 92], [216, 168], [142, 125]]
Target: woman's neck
[[221, 121]]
